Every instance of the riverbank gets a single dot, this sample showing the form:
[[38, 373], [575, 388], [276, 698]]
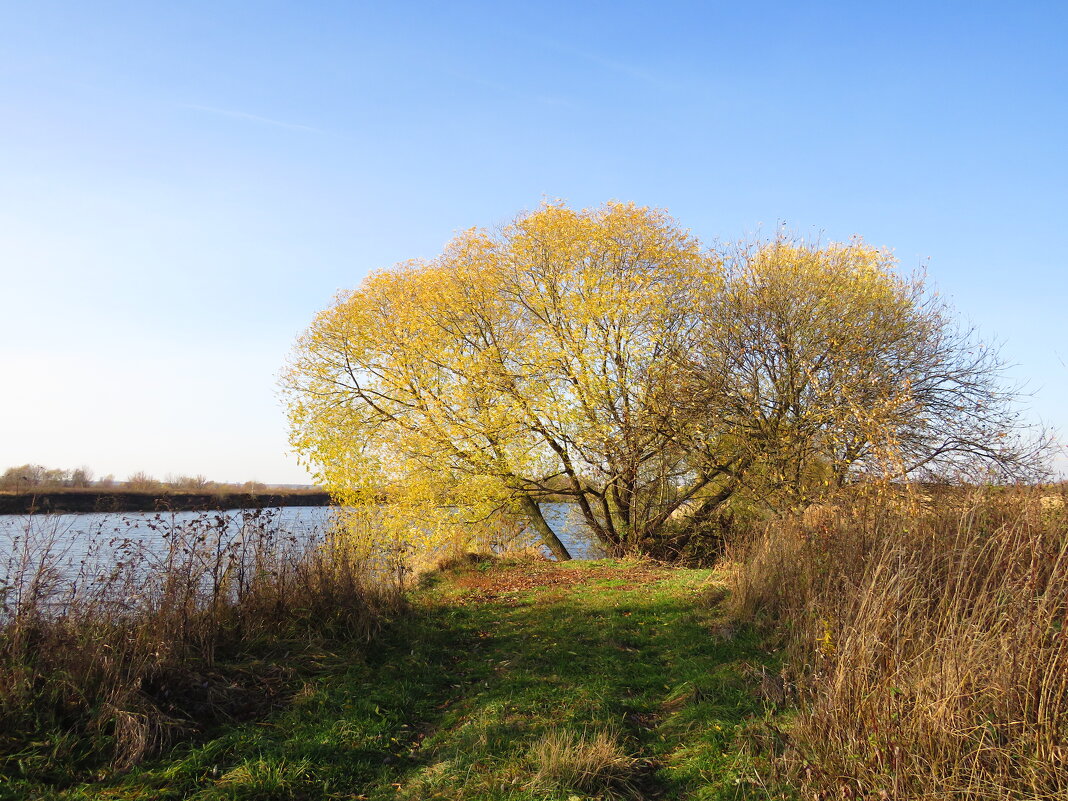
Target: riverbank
[[95, 500], [115, 653], [505, 679]]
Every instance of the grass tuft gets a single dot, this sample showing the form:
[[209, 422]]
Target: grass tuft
[[564, 760]]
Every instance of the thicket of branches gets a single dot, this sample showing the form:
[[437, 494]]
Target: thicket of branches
[[607, 357]]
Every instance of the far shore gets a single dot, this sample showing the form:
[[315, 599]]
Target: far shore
[[165, 500]]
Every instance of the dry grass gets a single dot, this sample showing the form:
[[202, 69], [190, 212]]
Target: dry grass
[[929, 645], [589, 762], [119, 649]]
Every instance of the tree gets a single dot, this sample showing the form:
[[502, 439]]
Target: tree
[[818, 365], [141, 482], [516, 365], [605, 356], [189, 483], [34, 476], [23, 477], [81, 477]]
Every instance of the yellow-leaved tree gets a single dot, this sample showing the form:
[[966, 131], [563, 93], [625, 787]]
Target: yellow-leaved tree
[[606, 358], [517, 365]]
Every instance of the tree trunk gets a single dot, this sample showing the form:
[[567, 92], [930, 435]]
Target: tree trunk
[[552, 542]]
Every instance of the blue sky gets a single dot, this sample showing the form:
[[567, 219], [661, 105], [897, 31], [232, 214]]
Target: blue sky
[[182, 186]]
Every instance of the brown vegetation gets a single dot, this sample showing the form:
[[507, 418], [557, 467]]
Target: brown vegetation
[[594, 762], [111, 655], [927, 641]]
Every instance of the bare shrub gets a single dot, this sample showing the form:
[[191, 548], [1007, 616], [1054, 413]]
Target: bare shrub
[[929, 642], [142, 482]]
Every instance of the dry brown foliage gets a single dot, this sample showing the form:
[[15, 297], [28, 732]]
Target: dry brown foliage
[[590, 762], [130, 644], [928, 640]]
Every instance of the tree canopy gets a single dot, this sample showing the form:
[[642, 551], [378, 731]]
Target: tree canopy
[[606, 357]]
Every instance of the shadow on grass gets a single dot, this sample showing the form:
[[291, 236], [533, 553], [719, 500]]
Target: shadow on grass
[[464, 699]]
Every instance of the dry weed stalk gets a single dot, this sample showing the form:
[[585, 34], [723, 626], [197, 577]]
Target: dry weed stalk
[[930, 644], [118, 648]]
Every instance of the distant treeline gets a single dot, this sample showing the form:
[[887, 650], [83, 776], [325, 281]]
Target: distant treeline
[[31, 489], [36, 477]]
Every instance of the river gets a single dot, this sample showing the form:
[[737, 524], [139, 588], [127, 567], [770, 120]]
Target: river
[[72, 539]]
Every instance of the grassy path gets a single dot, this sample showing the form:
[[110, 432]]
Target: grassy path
[[509, 681]]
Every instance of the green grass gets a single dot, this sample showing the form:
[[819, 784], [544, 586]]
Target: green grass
[[509, 680]]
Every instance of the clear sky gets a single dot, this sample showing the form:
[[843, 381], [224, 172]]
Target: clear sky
[[183, 185]]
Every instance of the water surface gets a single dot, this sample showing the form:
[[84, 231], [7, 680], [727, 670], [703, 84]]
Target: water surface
[[100, 536]]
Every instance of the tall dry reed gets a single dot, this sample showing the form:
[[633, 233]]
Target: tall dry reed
[[111, 646], [928, 642]]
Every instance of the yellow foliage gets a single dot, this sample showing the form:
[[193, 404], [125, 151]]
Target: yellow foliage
[[441, 390], [605, 356]]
